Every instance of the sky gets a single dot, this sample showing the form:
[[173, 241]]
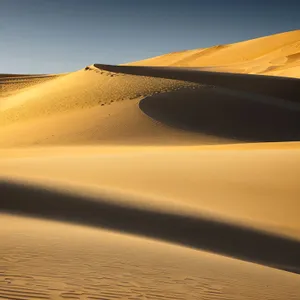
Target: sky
[[55, 36]]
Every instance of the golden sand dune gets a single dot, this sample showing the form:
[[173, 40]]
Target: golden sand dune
[[78, 90], [200, 157], [87, 107], [277, 54]]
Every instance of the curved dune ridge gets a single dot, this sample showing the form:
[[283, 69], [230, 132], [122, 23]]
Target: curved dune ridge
[[198, 148], [86, 107]]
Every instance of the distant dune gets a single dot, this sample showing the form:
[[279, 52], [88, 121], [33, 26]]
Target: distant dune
[[13, 83], [199, 148], [277, 54]]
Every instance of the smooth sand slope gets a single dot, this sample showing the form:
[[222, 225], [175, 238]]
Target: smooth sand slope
[[277, 54], [253, 186], [199, 157]]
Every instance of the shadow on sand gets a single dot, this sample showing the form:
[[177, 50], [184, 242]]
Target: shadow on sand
[[214, 112], [176, 227], [284, 88]]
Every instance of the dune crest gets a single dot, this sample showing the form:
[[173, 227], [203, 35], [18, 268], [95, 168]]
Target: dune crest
[[276, 54]]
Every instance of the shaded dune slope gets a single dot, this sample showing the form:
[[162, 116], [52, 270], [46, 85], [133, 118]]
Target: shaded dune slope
[[270, 86], [223, 115], [195, 231]]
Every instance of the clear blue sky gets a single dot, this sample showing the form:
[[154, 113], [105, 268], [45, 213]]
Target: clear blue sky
[[51, 36]]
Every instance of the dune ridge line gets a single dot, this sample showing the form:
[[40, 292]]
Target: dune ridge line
[[278, 87]]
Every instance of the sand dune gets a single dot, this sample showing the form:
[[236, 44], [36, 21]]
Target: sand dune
[[59, 111], [274, 55], [198, 148], [78, 90], [270, 86], [71, 113]]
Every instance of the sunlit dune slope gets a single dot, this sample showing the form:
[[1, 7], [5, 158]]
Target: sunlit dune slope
[[277, 54], [87, 106], [77, 90]]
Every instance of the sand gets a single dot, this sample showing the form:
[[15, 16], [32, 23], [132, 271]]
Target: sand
[[277, 54], [45, 260], [149, 181]]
